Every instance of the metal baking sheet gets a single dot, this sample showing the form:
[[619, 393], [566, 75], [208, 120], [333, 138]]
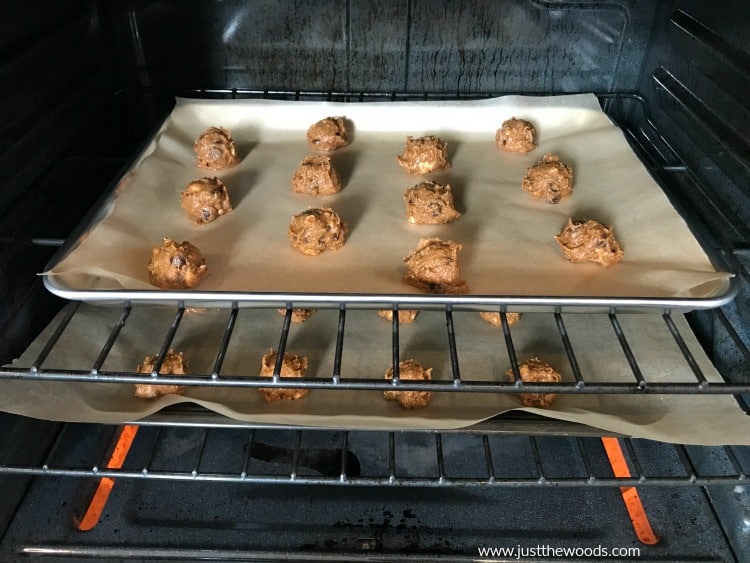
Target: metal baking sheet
[[509, 252]]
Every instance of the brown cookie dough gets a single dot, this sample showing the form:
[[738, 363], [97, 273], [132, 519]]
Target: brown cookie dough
[[405, 316], [298, 315], [589, 241], [549, 179], [429, 203], [173, 364], [215, 149], [409, 370], [536, 371], [316, 230], [424, 155], [328, 134], [176, 266], [205, 200], [292, 365], [433, 267], [316, 176], [495, 320], [516, 135]]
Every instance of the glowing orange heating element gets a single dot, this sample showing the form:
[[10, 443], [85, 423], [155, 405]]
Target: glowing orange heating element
[[104, 488], [633, 504]]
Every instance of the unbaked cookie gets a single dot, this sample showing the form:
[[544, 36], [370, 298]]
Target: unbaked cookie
[[589, 241], [173, 364], [429, 203], [424, 155], [316, 230], [405, 316], [215, 149], [205, 200], [298, 315], [328, 134], [549, 179], [409, 370], [536, 371], [516, 135], [315, 175], [292, 365], [495, 320], [433, 267], [176, 265]]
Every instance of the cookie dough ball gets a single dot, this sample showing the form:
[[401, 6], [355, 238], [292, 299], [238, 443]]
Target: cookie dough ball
[[516, 135], [429, 203], [292, 365], [205, 200], [173, 364], [495, 320], [328, 134], [215, 149], [536, 371], [549, 179], [299, 316], [589, 241], [316, 230], [405, 316], [424, 155], [433, 267], [316, 176], [176, 265], [409, 370]]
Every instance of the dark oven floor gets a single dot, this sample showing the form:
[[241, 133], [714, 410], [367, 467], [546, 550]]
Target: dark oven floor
[[198, 520]]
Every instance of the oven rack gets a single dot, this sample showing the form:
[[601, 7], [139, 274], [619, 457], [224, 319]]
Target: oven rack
[[694, 382], [374, 458]]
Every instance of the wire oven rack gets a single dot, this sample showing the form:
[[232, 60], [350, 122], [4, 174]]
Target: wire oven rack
[[694, 382], [330, 457]]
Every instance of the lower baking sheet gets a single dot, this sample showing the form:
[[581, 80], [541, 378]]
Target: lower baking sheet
[[689, 419], [507, 236]]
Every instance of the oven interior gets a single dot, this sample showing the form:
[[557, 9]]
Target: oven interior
[[87, 83]]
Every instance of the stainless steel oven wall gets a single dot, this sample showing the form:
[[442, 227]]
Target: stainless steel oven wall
[[695, 78], [418, 46]]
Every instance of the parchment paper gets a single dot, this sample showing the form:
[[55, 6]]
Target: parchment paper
[[689, 419], [507, 236]]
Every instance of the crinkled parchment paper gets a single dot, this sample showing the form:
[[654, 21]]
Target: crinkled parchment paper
[[507, 237], [690, 419]]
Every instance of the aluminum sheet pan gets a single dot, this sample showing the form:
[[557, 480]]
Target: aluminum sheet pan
[[509, 252]]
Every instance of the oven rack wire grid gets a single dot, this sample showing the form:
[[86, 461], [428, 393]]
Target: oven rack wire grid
[[456, 381], [231, 454]]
